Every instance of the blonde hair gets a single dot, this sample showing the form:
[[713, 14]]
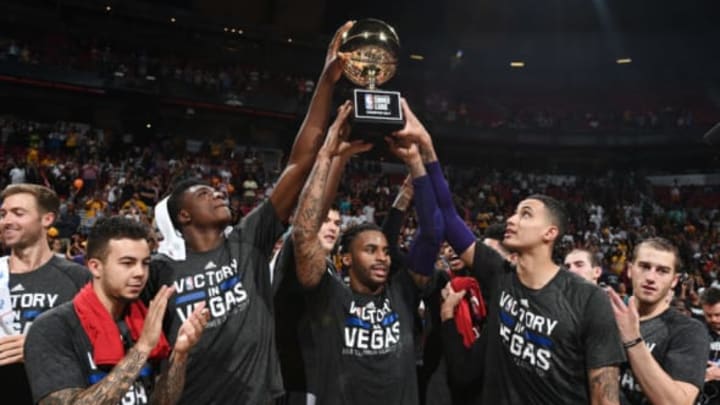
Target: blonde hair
[[46, 199], [662, 245]]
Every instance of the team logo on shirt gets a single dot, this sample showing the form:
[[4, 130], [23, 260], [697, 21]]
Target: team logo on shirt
[[371, 330], [526, 334], [28, 306], [221, 289]]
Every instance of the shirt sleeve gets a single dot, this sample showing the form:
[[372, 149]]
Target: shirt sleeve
[[80, 275], [262, 227], [408, 289], [326, 296], [160, 273], [391, 228], [686, 359], [601, 338], [50, 360], [77, 274], [284, 272], [487, 266]]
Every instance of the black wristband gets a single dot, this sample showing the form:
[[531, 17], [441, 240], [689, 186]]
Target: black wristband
[[632, 343]]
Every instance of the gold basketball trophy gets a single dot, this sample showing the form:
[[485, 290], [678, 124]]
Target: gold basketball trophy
[[373, 47]]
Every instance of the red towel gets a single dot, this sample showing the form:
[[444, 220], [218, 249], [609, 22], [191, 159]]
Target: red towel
[[471, 311], [104, 333]]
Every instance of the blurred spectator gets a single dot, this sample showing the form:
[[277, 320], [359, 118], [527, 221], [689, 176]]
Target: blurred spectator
[[68, 222]]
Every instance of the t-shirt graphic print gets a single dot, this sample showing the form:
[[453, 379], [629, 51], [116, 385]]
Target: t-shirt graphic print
[[371, 330]]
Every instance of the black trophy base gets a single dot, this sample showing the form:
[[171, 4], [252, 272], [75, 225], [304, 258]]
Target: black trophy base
[[376, 114]]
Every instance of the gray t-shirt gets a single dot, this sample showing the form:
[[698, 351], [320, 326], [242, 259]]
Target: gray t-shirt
[[292, 321], [235, 361], [31, 294], [363, 350], [58, 355], [711, 390], [540, 343], [680, 346], [52, 284]]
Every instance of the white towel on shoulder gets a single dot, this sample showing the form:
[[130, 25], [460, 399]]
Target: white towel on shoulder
[[7, 315], [173, 244]]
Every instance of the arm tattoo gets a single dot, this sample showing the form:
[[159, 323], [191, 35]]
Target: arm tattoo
[[109, 391], [66, 396], [170, 385], [604, 384], [309, 255]]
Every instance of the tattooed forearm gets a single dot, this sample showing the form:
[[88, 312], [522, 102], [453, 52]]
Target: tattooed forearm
[[170, 385], [604, 385], [109, 390], [309, 255], [66, 396]]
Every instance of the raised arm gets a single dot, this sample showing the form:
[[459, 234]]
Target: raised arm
[[309, 254], [111, 389], [337, 168], [428, 237], [310, 136], [392, 225], [457, 233], [415, 131]]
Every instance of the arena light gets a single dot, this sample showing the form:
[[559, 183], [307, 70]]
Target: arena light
[[417, 57], [232, 30], [290, 40], [226, 29], [240, 31], [108, 8], [148, 125], [172, 19], [623, 61], [517, 64]]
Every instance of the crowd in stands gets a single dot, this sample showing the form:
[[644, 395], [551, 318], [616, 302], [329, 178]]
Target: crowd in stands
[[122, 165], [236, 82], [96, 180], [609, 214], [481, 115], [233, 80]]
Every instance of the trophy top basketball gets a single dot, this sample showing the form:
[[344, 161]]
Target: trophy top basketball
[[373, 47]]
